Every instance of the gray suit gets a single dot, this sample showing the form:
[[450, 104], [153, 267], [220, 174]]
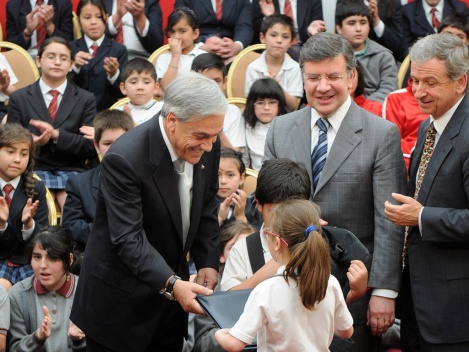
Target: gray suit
[[364, 166]]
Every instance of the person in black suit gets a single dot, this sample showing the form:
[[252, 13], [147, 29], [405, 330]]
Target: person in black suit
[[229, 35], [63, 150], [97, 57], [22, 22], [142, 25], [148, 217], [417, 18], [80, 204], [435, 314]]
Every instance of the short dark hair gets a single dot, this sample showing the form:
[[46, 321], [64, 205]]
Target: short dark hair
[[138, 65], [207, 61], [111, 120], [349, 8], [360, 90], [456, 20], [261, 89], [55, 39], [274, 19], [282, 179]]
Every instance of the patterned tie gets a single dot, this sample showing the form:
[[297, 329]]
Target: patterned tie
[[119, 38], [53, 104], [94, 47], [7, 190], [318, 157], [435, 21], [424, 161], [287, 10], [41, 32], [219, 9]]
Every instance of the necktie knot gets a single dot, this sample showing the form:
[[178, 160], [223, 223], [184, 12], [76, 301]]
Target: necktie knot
[[94, 47], [323, 125], [7, 190], [54, 93]]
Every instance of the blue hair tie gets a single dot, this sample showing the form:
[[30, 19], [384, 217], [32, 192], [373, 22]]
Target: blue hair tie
[[309, 229]]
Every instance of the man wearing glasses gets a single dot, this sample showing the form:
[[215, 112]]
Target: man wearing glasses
[[355, 163]]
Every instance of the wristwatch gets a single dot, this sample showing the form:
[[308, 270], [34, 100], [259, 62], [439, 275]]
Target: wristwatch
[[168, 291]]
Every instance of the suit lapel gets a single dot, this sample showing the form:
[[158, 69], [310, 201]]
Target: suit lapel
[[301, 11], [17, 202], [416, 155], [421, 18], [301, 138], [345, 142], [95, 183], [24, 10], [67, 104], [37, 103], [208, 5], [102, 52]]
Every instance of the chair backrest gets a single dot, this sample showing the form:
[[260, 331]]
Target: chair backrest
[[239, 102], [401, 74], [237, 72], [76, 26], [53, 215], [250, 183], [21, 63], [156, 54], [119, 103], [1, 32]]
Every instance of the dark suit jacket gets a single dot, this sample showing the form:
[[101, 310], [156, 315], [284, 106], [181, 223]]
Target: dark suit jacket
[[80, 205], [77, 108], [438, 256], [154, 38], [16, 20], [236, 22], [93, 77], [415, 24], [136, 241], [12, 245]]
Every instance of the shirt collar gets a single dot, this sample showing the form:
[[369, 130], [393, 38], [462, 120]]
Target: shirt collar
[[15, 182], [173, 154], [66, 290], [427, 8], [90, 42], [148, 105], [336, 119], [287, 64], [441, 122], [45, 88]]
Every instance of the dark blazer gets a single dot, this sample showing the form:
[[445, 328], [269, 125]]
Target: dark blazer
[[80, 205], [16, 20], [438, 256], [93, 77], [136, 241], [12, 245], [77, 108], [154, 38], [307, 11], [236, 22], [415, 24]]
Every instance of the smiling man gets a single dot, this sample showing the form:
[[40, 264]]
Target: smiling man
[[355, 163], [156, 201]]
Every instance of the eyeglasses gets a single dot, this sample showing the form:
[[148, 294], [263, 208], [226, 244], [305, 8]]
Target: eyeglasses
[[315, 79], [53, 58], [262, 103], [267, 232]]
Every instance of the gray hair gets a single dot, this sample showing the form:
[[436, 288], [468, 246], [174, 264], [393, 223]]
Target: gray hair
[[192, 97], [325, 45], [445, 47]]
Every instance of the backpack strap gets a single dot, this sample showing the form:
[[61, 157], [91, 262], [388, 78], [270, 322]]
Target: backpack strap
[[255, 251]]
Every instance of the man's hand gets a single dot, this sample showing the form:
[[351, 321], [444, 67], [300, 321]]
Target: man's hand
[[373, 6], [406, 214], [185, 293], [207, 277], [228, 48], [316, 27], [380, 315], [135, 8], [31, 21]]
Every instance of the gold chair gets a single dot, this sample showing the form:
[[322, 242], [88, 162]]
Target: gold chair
[[53, 216], [119, 103], [250, 183], [237, 72], [156, 54], [403, 71], [1, 32], [239, 102], [76, 27], [21, 63]]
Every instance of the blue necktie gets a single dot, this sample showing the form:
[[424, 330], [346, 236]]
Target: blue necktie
[[318, 158]]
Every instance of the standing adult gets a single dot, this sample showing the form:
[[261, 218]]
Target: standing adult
[[435, 314], [156, 201], [355, 163]]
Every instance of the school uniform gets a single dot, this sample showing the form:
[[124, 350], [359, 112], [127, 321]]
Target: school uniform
[[93, 77], [185, 61], [255, 142], [233, 127], [144, 112]]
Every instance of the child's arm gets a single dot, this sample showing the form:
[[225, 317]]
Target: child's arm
[[224, 210], [358, 278], [345, 334], [229, 342], [4, 212], [239, 200], [175, 47], [292, 101], [268, 270], [5, 86], [29, 211]]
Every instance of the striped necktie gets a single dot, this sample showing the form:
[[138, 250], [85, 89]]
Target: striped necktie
[[53, 103], [318, 157], [41, 32], [7, 190]]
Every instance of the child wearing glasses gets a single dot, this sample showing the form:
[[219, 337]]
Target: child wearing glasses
[[277, 33], [265, 101], [302, 306]]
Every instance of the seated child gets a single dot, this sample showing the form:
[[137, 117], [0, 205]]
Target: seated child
[[4, 317], [212, 66], [40, 305], [7, 84], [352, 21], [357, 90], [182, 31], [139, 83], [80, 204], [302, 306], [23, 206], [455, 23], [265, 101], [277, 32]]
